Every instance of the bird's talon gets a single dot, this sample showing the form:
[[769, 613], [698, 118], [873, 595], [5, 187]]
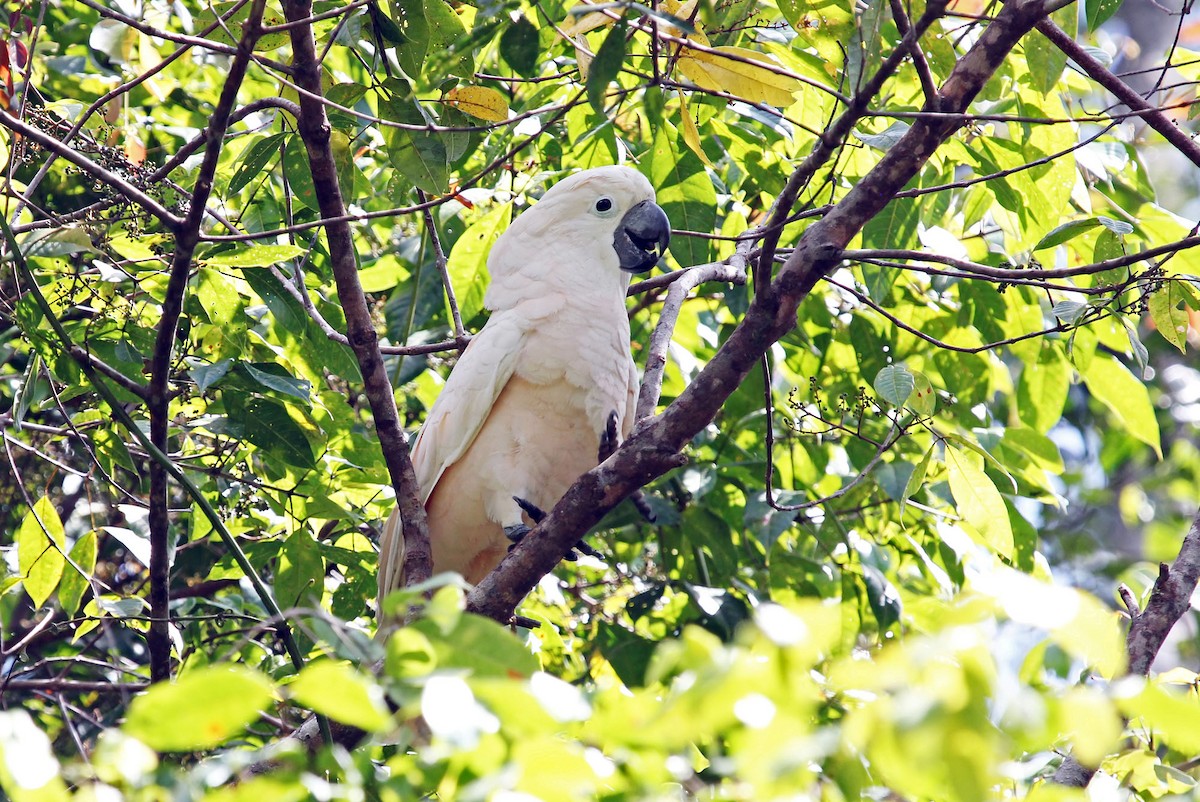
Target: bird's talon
[[516, 532], [535, 513], [608, 438]]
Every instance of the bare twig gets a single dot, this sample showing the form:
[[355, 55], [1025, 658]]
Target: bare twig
[[733, 272], [440, 258]]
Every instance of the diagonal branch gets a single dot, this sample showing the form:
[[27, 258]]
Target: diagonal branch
[[1169, 600], [1154, 117], [360, 328], [654, 447]]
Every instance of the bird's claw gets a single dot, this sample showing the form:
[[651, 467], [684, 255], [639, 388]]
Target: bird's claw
[[608, 437], [536, 514]]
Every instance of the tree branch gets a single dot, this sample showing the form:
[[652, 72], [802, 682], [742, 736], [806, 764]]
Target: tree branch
[[158, 397], [654, 447], [1182, 141], [360, 329], [731, 272], [1169, 600]]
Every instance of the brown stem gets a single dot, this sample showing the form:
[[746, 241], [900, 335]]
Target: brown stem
[[1169, 600], [187, 235], [314, 129]]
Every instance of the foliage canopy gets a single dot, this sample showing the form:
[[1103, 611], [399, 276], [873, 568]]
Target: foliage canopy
[[884, 565]]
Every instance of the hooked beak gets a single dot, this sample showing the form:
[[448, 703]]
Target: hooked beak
[[641, 237]]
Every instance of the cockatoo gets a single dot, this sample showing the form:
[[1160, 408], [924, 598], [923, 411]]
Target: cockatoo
[[522, 414]]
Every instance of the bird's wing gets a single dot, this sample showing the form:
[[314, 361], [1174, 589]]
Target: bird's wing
[[465, 402]]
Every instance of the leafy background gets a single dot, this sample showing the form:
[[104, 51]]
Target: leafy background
[[888, 568]]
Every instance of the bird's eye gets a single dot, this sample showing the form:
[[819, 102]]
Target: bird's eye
[[604, 205]]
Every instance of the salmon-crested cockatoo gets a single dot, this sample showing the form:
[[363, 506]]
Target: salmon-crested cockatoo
[[522, 415]]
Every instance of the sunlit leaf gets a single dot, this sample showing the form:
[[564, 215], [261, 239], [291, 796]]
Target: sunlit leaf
[[479, 101], [978, 500], [202, 709], [77, 574], [342, 693], [739, 71], [1126, 397], [40, 545]]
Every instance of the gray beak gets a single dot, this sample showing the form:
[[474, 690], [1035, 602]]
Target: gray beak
[[641, 237]]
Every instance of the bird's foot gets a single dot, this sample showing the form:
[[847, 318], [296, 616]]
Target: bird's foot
[[536, 514], [608, 444]]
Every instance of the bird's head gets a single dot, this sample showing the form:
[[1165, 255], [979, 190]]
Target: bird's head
[[598, 222]]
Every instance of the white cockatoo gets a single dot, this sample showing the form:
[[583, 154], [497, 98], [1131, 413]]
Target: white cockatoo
[[522, 414]]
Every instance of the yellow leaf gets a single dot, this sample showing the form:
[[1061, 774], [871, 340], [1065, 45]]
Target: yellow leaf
[[737, 71], [978, 500], [583, 56], [577, 25], [691, 135], [479, 101]]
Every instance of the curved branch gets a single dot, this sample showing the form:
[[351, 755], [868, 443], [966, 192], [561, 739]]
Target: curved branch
[[654, 447]]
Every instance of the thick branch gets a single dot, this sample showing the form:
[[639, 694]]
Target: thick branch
[[655, 444], [360, 329], [1169, 601]]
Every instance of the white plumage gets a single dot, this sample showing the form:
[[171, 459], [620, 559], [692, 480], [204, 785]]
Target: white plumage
[[523, 410]]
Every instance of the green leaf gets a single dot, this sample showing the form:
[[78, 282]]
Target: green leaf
[[268, 426], [480, 645], [1069, 311], [419, 156], [40, 545], [254, 160], [685, 192], [923, 400], [1042, 389], [206, 376], [1046, 62], [275, 377], [256, 256], [606, 66], [1126, 397], [409, 16], [1168, 310], [1066, 232], [519, 46], [894, 384], [978, 500], [916, 479], [343, 693], [300, 579], [218, 297], [299, 173], [384, 26], [1170, 716], [203, 709], [467, 263], [78, 573], [1098, 12]]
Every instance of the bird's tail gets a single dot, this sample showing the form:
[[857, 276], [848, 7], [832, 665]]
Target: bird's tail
[[390, 575]]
